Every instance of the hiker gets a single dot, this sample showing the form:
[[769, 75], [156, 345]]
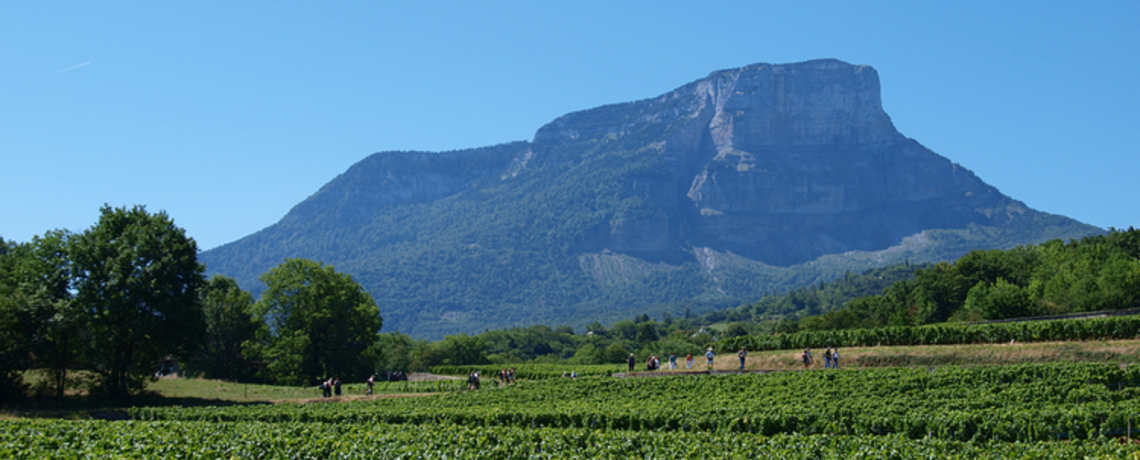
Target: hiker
[[573, 375], [649, 363], [371, 381], [807, 357], [827, 358], [709, 357], [336, 385], [630, 360], [656, 363], [835, 359], [742, 354], [689, 360], [672, 361]]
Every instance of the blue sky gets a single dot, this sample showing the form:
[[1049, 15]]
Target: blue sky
[[226, 114]]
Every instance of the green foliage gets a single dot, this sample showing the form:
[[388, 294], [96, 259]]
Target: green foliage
[[318, 323], [830, 296], [1023, 403], [1097, 273], [1113, 328], [230, 325], [61, 439], [16, 324], [46, 281], [394, 351], [136, 279]]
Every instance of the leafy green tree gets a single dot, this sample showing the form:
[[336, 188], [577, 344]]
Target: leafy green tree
[[16, 325], [136, 279], [647, 332], [615, 353], [589, 354], [393, 351], [734, 329], [319, 323], [230, 324], [463, 349], [45, 284], [999, 300], [624, 329]]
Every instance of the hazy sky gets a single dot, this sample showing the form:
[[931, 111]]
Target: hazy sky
[[226, 114]]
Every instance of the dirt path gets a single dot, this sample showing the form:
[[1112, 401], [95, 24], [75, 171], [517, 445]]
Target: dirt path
[[1116, 351]]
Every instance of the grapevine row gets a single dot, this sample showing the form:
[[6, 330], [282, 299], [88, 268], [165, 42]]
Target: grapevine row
[[58, 439], [1014, 403]]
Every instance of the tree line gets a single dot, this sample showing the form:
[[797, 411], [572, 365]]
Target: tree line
[[1095, 273], [127, 297]]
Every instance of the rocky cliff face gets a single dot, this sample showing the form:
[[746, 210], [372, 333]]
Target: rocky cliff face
[[701, 193], [783, 164]]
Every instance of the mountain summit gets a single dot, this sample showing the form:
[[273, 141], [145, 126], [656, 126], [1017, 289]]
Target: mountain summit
[[749, 180]]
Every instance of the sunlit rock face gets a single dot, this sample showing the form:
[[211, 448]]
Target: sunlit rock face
[[782, 164]]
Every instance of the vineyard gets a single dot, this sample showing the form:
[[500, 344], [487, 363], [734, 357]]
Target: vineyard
[[1125, 327], [1062, 410], [298, 440]]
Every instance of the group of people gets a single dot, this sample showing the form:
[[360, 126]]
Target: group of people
[[473, 382], [328, 387], [653, 363], [830, 358], [506, 376]]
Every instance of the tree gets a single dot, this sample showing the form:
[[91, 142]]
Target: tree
[[393, 351], [15, 327], [999, 300], [136, 278], [230, 324], [319, 323], [734, 329], [45, 286]]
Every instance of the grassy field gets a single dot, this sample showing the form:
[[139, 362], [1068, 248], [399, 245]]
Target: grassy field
[[200, 392], [197, 392]]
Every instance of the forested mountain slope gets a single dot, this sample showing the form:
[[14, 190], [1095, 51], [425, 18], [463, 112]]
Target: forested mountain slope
[[748, 181]]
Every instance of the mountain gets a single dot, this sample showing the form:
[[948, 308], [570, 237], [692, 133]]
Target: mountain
[[748, 181]]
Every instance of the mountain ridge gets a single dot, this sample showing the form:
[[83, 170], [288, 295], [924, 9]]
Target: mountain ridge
[[752, 179]]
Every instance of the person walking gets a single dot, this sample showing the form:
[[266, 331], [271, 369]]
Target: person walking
[[807, 357], [827, 358], [835, 359], [742, 354], [709, 357], [630, 360], [689, 360], [371, 381], [672, 361], [336, 385]]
